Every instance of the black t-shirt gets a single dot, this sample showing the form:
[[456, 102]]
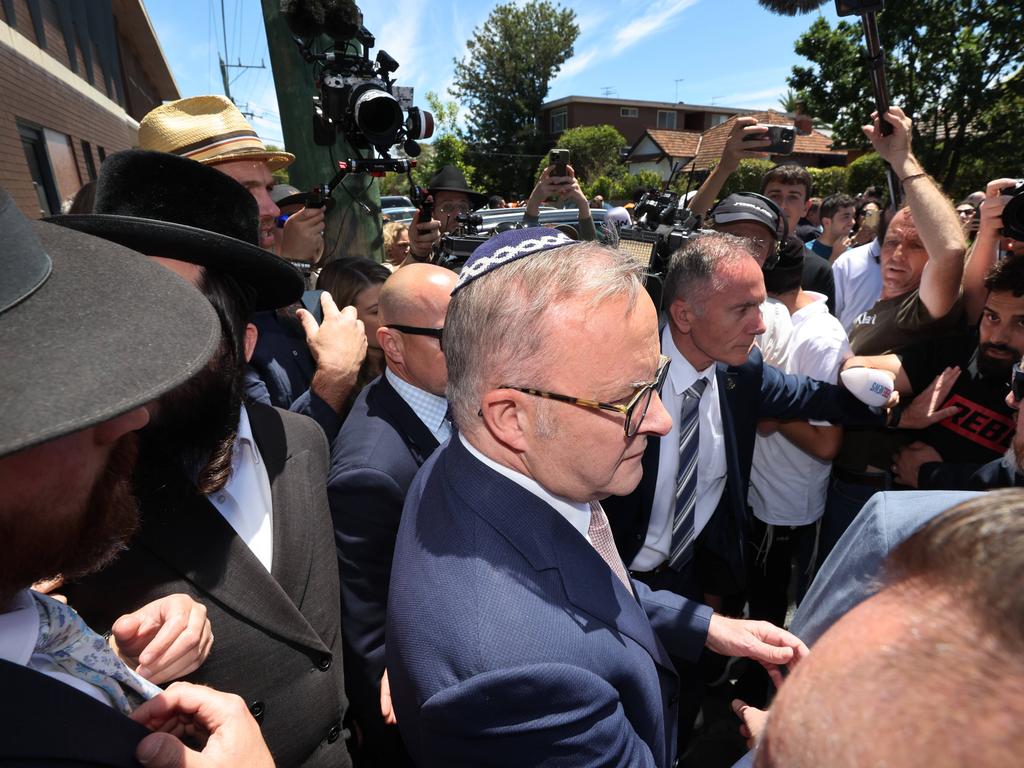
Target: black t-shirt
[[984, 424]]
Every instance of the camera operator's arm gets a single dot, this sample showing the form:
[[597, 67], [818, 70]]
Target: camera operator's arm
[[304, 236], [736, 149], [563, 188], [422, 237], [934, 217], [985, 250]]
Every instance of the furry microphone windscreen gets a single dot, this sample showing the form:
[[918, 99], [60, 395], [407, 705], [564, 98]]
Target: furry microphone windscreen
[[791, 7]]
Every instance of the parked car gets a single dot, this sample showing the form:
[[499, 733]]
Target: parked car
[[395, 201]]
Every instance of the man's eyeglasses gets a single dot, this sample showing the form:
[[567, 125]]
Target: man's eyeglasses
[[415, 330], [1017, 383], [634, 409]]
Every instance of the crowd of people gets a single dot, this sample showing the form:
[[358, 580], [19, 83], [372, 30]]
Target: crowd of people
[[261, 510]]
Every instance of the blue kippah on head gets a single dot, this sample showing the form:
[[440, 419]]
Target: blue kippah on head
[[509, 246]]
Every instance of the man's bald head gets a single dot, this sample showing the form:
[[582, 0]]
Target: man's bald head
[[929, 671], [416, 296]]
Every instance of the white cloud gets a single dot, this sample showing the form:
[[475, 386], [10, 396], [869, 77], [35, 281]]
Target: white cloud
[[766, 97], [577, 63], [654, 20]]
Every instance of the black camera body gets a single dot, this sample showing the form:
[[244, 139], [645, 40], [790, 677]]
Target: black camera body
[[783, 138], [455, 247], [660, 229], [356, 96], [1013, 213]]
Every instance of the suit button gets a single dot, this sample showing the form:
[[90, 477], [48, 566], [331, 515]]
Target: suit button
[[333, 733], [325, 663], [639, 537], [256, 710]]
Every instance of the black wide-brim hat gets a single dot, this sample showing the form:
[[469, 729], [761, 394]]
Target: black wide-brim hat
[[164, 205], [89, 330], [450, 179]]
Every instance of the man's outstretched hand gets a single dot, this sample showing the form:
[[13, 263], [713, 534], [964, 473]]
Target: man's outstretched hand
[[758, 640]]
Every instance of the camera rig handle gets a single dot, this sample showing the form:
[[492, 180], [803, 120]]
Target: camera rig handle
[[375, 166]]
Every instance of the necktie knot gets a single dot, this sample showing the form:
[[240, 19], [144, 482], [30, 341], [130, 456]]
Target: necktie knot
[[696, 389]]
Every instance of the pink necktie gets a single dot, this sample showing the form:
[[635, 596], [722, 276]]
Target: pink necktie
[[600, 534]]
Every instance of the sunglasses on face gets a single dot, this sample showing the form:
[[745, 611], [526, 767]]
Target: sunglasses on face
[[415, 330]]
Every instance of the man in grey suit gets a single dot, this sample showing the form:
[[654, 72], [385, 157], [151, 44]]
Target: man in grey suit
[[232, 497]]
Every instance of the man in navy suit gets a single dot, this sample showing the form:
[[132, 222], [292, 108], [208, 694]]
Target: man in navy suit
[[515, 635], [394, 425], [714, 289]]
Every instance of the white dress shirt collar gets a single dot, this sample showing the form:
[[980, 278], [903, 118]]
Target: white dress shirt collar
[[681, 372], [576, 512]]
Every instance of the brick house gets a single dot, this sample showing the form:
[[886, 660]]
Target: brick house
[[76, 76]]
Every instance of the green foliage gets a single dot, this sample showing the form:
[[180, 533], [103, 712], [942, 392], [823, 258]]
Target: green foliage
[[503, 80], [866, 171], [593, 152], [828, 181], [281, 174], [950, 65], [746, 178], [619, 187]]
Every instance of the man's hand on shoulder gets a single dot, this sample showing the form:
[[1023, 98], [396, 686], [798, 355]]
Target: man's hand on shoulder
[[758, 640]]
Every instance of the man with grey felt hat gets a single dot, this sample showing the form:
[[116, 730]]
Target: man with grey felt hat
[[233, 494], [81, 367]]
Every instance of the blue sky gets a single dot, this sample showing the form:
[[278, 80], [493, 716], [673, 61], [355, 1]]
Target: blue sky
[[728, 52]]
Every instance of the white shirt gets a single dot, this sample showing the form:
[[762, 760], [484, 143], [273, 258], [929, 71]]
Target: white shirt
[[778, 327], [787, 485], [245, 502], [858, 277], [711, 466], [19, 630], [576, 512]]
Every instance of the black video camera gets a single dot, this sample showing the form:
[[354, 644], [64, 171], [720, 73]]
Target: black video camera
[[357, 96], [660, 228], [1013, 213], [456, 247]]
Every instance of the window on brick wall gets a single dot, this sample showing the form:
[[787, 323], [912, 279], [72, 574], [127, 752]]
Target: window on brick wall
[[34, 145], [666, 119], [90, 165], [559, 120]]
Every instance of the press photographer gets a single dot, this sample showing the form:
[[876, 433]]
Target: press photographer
[[450, 196]]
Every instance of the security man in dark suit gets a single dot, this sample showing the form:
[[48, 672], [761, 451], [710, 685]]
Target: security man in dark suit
[[684, 527], [233, 497], [394, 426]]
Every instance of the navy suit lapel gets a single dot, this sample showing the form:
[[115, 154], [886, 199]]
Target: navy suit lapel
[[385, 403], [50, 722], [548, 540]]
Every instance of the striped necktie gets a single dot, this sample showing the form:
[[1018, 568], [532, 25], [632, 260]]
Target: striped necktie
[[683, 532], [69, 643]]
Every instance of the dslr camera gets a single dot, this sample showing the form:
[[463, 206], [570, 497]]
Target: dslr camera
[[783, 137], [1013, 213]]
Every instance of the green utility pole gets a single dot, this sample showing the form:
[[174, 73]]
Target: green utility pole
[[353, 226]]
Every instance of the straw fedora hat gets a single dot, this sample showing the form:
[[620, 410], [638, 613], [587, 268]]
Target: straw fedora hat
[[208, 129]]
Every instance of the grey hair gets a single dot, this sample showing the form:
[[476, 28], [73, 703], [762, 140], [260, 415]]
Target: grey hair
[[496, 326], [697, 266]]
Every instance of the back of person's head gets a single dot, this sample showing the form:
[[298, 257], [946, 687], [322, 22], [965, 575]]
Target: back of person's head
[[693, 269], [346, 278], [497, 324], [495, 201], [1006, 276], [833, 203], [83, 200], [789, 174], [392, 230], [786, 275], [927, 673]]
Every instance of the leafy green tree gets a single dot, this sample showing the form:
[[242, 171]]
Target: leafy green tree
[[866, 171], [953, 65], [593, 152], [503, 81], [747, 177], [828, 181]]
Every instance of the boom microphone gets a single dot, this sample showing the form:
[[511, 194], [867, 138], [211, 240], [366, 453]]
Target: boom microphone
[[791, 7]]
